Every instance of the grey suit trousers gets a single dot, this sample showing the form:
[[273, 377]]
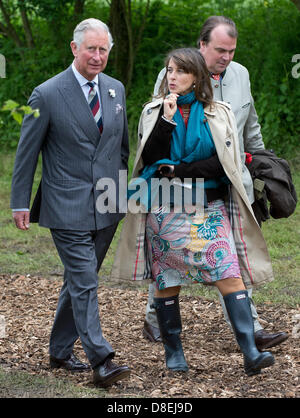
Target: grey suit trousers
[[77, 314]]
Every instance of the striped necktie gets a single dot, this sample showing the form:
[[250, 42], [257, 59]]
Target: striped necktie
[[94, 104]]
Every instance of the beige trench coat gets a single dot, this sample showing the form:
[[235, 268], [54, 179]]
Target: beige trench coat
[[254, 259]]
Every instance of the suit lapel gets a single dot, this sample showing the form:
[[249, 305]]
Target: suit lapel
[[74, 97]]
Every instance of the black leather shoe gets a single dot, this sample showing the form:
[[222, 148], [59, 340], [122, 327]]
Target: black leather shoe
[[71, 363], [108, 373], [263, 340], [151, 333]]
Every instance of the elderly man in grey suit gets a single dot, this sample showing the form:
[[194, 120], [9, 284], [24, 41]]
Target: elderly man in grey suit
[[230, 83], [82, 134]]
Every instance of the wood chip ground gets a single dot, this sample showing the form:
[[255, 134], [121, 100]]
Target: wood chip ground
[[28, 304]]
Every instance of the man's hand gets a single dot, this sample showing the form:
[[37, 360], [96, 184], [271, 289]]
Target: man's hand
[[21, 219]]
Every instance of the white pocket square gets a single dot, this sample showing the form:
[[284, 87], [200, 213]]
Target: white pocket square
[[119, 108]]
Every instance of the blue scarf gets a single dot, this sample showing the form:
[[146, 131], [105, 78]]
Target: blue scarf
[[189, 144]]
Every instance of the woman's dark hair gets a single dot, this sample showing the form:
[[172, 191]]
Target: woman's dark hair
[[191, 61], [211, 23]]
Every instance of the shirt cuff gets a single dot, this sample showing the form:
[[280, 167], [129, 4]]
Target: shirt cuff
[[21, 210], [169, 121]]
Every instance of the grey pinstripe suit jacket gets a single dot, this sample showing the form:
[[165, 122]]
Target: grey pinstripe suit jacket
[[74, 156]]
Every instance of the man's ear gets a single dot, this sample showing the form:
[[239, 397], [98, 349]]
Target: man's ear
[[74, 48], [202, 44]]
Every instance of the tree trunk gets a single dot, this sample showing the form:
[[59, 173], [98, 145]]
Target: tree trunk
[[26, 26], [130, 51], [296, 3], [126, 40], [122, 51], [79, 8], [9, 29]]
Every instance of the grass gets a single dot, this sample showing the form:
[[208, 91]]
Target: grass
[[23, 385], [33, 252]]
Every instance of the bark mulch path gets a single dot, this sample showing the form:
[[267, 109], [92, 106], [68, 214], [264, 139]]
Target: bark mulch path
[[28, 304]]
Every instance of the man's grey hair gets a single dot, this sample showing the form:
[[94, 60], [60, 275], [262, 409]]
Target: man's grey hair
[[91, 24]]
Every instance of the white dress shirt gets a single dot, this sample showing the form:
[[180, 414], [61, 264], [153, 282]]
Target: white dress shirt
[[83, 84]]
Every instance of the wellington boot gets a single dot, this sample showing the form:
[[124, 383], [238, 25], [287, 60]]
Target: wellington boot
[[239, 311], [169, 320]]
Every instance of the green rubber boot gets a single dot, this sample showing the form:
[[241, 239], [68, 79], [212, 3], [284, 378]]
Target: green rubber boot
[[169, 320], [239, 311]]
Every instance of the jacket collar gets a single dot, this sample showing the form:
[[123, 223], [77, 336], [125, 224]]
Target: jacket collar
[[210, 110], [155, 103]]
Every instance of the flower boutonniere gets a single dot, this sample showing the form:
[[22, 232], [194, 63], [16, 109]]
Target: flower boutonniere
[[112, 92]]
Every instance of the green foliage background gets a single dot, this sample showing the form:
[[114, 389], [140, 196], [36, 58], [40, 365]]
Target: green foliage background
[[269, 36]]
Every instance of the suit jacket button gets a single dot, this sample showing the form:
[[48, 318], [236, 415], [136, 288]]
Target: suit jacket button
[[228, 143]]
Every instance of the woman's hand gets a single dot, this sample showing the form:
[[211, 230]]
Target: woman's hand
[[170, 106]]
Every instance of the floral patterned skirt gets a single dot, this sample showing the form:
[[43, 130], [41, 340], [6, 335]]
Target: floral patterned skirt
[[185, 248]]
